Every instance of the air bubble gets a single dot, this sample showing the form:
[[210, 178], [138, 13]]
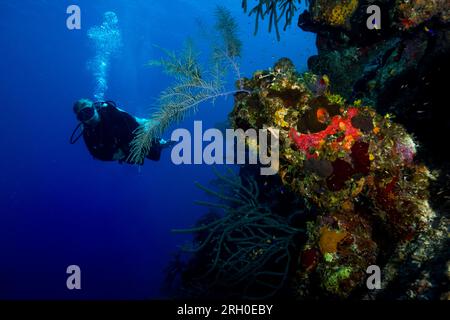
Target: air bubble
[[107, 40]]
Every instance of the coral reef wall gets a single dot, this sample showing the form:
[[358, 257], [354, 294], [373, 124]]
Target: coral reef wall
[[364, 174], [402, 69], [356, 167], [399, 68]]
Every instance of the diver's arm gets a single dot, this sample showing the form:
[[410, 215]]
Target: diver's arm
[[125, 126]]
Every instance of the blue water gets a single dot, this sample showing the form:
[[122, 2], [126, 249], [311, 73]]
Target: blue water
[[59, 206]]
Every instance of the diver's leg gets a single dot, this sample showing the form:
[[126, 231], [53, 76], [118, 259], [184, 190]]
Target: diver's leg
[[157, 146], [155, 151]]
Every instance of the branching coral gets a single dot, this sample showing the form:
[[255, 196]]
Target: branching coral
[[181, 66], [228, 29], [192, 85], [276, 10], [176, 102], [248, 247]]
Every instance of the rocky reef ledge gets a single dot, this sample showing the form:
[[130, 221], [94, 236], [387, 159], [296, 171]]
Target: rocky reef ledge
[[357, 172], [401, 68]]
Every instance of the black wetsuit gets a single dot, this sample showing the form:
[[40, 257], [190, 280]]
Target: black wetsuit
[[114, 132]]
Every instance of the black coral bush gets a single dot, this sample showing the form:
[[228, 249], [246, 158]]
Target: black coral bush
[[193, 85]]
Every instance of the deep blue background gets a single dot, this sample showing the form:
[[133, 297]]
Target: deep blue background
[[59, 206]]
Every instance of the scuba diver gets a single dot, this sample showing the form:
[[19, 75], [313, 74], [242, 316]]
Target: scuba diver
[[108, 131]]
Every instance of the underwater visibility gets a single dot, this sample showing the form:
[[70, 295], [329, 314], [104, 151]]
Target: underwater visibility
[[203, 150]]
